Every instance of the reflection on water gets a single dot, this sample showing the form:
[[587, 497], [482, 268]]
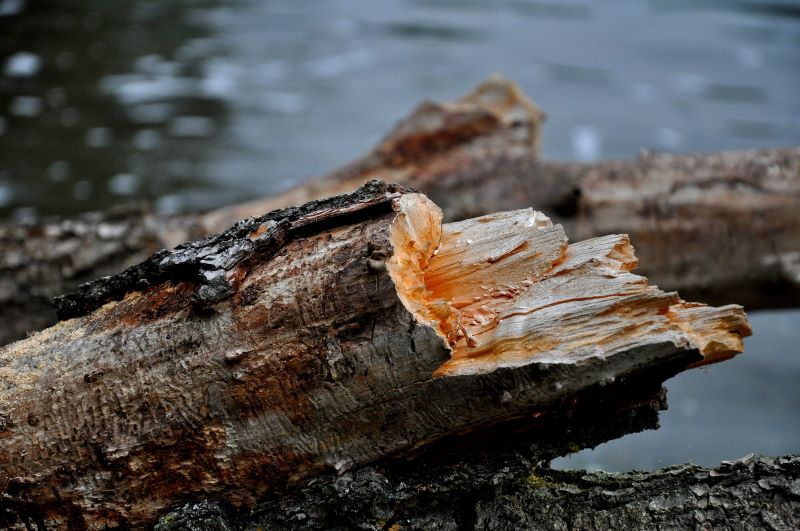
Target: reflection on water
[[93, 111], [198, 103]]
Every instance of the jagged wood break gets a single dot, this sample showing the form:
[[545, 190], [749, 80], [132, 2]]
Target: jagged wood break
[[325, 337]]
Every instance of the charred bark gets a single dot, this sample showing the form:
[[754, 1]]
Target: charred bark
[[713, 226], [322, 338]]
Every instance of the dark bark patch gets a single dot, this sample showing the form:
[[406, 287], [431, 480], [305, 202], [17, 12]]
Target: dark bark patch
[[204, 262]]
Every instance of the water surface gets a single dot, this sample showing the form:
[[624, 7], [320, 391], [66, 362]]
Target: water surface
[[199, 103]]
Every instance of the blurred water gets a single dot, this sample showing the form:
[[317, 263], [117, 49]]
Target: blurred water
[[205, 102], [198, 103]]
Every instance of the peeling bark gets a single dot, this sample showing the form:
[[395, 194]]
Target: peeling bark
[[320, 339], [716, 227]]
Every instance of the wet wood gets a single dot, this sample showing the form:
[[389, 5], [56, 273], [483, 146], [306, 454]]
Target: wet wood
[[319, 339], [721, 228]]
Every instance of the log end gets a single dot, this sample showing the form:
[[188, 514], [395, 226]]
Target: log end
[[507, 290]]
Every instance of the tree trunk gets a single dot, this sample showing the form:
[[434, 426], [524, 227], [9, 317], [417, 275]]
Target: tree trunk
[[754, 493], [508, 492], [721, 228], [323, 338]]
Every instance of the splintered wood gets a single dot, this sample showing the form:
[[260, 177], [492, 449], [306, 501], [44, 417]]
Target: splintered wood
[[508, 290], [353, 329]]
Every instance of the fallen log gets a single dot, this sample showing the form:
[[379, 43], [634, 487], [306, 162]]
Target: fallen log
[[717, 227], [510, 493], [756, 493], [322, 338], [43, 261], [713, 226]]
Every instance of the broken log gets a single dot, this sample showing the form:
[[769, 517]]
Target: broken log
[[321, 338], [715, 227], [719, 227]]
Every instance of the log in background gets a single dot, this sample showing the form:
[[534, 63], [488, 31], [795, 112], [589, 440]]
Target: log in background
[[721, 228]]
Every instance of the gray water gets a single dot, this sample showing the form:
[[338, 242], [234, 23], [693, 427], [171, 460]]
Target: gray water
[[193, 104]]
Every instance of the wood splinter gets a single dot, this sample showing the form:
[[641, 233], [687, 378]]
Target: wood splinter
[[362, 329], [507, 289]]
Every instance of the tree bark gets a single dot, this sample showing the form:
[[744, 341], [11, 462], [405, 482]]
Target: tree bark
[[511, 493], [721, 228], [322, 338], [43, 261], [754, 493]]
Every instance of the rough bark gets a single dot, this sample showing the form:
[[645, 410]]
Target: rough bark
[[717, 227], [438, 488], [323, 338], [511, 493], [753, 493]]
